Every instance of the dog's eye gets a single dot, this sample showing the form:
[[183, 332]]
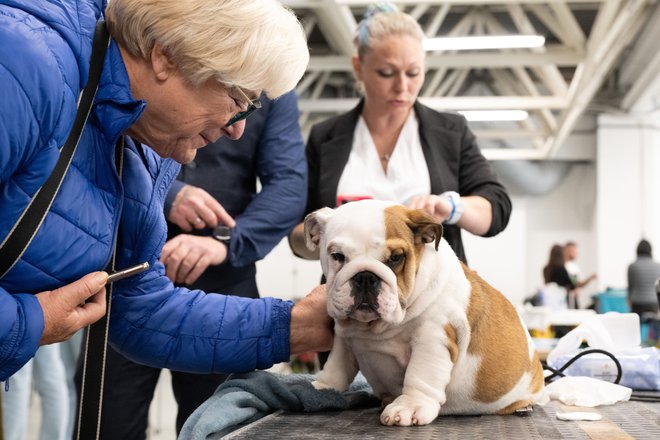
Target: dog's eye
[[395, 259], [338, 257]]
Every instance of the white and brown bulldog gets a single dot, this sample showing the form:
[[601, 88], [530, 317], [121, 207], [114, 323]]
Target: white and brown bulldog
[[429, 334]]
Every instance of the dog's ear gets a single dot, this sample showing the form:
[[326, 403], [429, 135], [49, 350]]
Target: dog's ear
[[314, 226], [426, 229]]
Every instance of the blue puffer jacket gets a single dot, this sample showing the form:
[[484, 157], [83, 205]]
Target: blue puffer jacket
[[44, 56]]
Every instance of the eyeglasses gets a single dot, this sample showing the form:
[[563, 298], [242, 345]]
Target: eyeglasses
[[252, 106]]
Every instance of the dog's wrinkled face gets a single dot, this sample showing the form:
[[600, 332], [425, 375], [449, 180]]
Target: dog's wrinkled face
[[370, 252]]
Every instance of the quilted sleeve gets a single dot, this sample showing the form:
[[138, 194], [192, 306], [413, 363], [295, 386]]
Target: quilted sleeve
[[155, 323], [21, 326]]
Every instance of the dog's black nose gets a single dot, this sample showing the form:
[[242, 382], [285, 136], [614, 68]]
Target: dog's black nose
[[365, 290], [365, 280]]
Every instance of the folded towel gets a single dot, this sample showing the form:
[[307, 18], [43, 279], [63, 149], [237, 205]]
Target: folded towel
[[246, 397]]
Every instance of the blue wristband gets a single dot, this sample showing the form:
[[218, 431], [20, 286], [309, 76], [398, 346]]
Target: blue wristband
[[456, 207], [453, 209]]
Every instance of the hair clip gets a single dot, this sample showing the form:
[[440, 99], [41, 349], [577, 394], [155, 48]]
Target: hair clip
[[377, 8]]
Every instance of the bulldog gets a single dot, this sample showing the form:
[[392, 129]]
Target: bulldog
[[429, 335]]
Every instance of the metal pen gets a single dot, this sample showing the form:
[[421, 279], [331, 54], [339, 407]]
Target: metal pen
[[129, 271]]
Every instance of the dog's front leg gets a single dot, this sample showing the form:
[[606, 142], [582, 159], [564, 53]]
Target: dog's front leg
[[425, 380], [340, 369]]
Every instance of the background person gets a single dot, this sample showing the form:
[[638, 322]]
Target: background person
[[222, 177], [555, 272], [642, 276], [46, 374], [70, 353], [570, 257], [391, 147], [177, 75]]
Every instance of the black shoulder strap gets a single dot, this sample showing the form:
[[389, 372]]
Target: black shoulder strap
[[93, 352], [20, 236]]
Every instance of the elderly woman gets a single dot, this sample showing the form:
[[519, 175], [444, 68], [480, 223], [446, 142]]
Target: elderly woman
[[177, 75], [391, 147]]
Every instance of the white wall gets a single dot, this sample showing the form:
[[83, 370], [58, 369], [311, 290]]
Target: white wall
[[513, 260], [501, 259], [283, 275], [628, 206]]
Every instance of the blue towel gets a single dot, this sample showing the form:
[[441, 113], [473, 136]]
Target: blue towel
[[246, 397]]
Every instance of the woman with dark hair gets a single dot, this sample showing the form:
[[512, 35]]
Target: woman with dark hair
[[555, 272]]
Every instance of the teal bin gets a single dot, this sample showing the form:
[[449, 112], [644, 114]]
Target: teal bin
[[612, 300]]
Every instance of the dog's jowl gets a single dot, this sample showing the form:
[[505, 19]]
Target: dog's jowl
[[430, 336]]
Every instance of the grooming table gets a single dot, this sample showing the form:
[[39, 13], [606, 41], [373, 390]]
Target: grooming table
[[626, 420]]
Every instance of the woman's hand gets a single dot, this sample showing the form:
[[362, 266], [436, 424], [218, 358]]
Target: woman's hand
[[477, 214], [437, 206]]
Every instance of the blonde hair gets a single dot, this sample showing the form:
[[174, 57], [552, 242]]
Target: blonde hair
[[382, 20], [257, 45]]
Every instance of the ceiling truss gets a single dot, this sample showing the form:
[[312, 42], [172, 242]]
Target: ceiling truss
[[585, 40]]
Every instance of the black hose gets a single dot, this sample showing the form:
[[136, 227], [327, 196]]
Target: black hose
[[560, 371]]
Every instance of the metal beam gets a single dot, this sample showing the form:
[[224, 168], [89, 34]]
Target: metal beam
[[524, 79], [585, 60], [453, 104], [604, 19], [584, 87], [488, 134], [504, 84], [465, 2], [557, 55], [567, 19], [640, 72], [432, 28], [338, 25], [512, 154], [549, 74]]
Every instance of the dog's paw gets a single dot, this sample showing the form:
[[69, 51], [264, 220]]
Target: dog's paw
[[407, 411]]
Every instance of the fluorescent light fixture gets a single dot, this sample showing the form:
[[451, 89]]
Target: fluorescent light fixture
[[494, 115], [484, 42]]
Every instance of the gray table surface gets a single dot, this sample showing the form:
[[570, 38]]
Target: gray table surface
[[627, 420]]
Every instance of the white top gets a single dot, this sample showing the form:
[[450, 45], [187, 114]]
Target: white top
[[572, 268], [407, 172]]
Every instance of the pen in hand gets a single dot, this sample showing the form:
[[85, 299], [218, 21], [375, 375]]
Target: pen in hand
[[129, 271]]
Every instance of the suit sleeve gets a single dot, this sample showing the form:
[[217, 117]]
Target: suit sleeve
[[313, 166], [282, 171]]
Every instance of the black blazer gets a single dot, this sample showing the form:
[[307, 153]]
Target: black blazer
[[452, 155]]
